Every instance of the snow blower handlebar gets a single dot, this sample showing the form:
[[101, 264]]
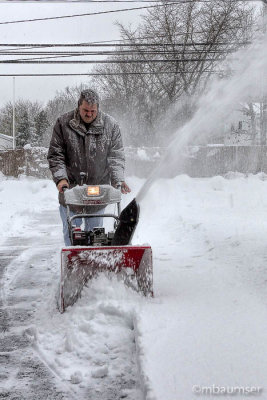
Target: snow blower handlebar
[[75, 216]]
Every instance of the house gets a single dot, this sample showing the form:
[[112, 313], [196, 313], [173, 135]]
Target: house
[[243, 128], [6, 142]]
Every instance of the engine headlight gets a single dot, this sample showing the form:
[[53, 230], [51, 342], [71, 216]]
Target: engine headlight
[[93, 190]]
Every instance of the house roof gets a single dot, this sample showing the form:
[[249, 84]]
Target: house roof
[[6, 137]]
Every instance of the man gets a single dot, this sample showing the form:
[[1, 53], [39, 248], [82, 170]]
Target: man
[[86, 140]]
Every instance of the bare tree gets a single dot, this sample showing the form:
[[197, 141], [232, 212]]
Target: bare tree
[[182, 45]]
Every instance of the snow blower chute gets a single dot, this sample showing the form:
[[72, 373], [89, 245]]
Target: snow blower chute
[[95, 251]]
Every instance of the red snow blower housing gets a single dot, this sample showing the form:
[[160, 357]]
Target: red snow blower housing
[[95, 251]]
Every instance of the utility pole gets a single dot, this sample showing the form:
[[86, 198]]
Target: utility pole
[[14, 120], [263, 124]]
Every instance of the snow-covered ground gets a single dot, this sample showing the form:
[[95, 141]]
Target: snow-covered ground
[[205, 329]]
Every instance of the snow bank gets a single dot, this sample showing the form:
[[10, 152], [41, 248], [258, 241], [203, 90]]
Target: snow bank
[[21, 198], [207, 324]]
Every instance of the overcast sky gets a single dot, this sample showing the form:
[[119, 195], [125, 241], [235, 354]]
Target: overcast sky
[[71, 30]]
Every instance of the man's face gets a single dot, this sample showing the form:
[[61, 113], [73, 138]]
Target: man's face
[[88, 112]]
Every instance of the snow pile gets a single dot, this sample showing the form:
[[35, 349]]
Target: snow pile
[[93, 343], [142, 155], [207, 324], [21, 198]]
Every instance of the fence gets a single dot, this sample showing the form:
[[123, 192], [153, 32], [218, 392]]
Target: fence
[[28, 161], [202, 161]]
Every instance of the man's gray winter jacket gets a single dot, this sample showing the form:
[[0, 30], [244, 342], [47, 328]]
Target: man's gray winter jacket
[[98, 152]]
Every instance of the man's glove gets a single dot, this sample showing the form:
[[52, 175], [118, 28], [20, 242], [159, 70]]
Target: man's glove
[[61, 184], [125, 188]]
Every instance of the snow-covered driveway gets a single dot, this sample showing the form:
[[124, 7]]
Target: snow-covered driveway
[[89, 352], [206, 326], [24, 264]]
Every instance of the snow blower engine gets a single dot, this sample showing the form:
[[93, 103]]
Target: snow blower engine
[[94, 251]]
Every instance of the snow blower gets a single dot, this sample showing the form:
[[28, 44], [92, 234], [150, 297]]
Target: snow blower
[[95, 251]]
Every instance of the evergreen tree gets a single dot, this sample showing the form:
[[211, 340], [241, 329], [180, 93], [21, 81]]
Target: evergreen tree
[[23, 129], [31, 122], [41, 125]]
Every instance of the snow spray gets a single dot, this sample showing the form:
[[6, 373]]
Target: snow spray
[[248, 81]]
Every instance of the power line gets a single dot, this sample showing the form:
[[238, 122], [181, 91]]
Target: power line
[[134, 1], [102, 61], [41, 45], [54, 55], [159, 4], [108, 53], [114, 41], [84, 14], [113, 73], [134, 48], [39, 60]]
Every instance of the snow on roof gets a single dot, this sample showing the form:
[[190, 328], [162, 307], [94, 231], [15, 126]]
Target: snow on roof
[[6, 142], [6, 137]]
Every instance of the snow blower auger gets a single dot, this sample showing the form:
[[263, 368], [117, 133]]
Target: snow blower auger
[[95, 251]]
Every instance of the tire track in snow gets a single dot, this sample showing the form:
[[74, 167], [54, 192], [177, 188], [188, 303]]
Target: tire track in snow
[[23, 375], [32, 365]]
